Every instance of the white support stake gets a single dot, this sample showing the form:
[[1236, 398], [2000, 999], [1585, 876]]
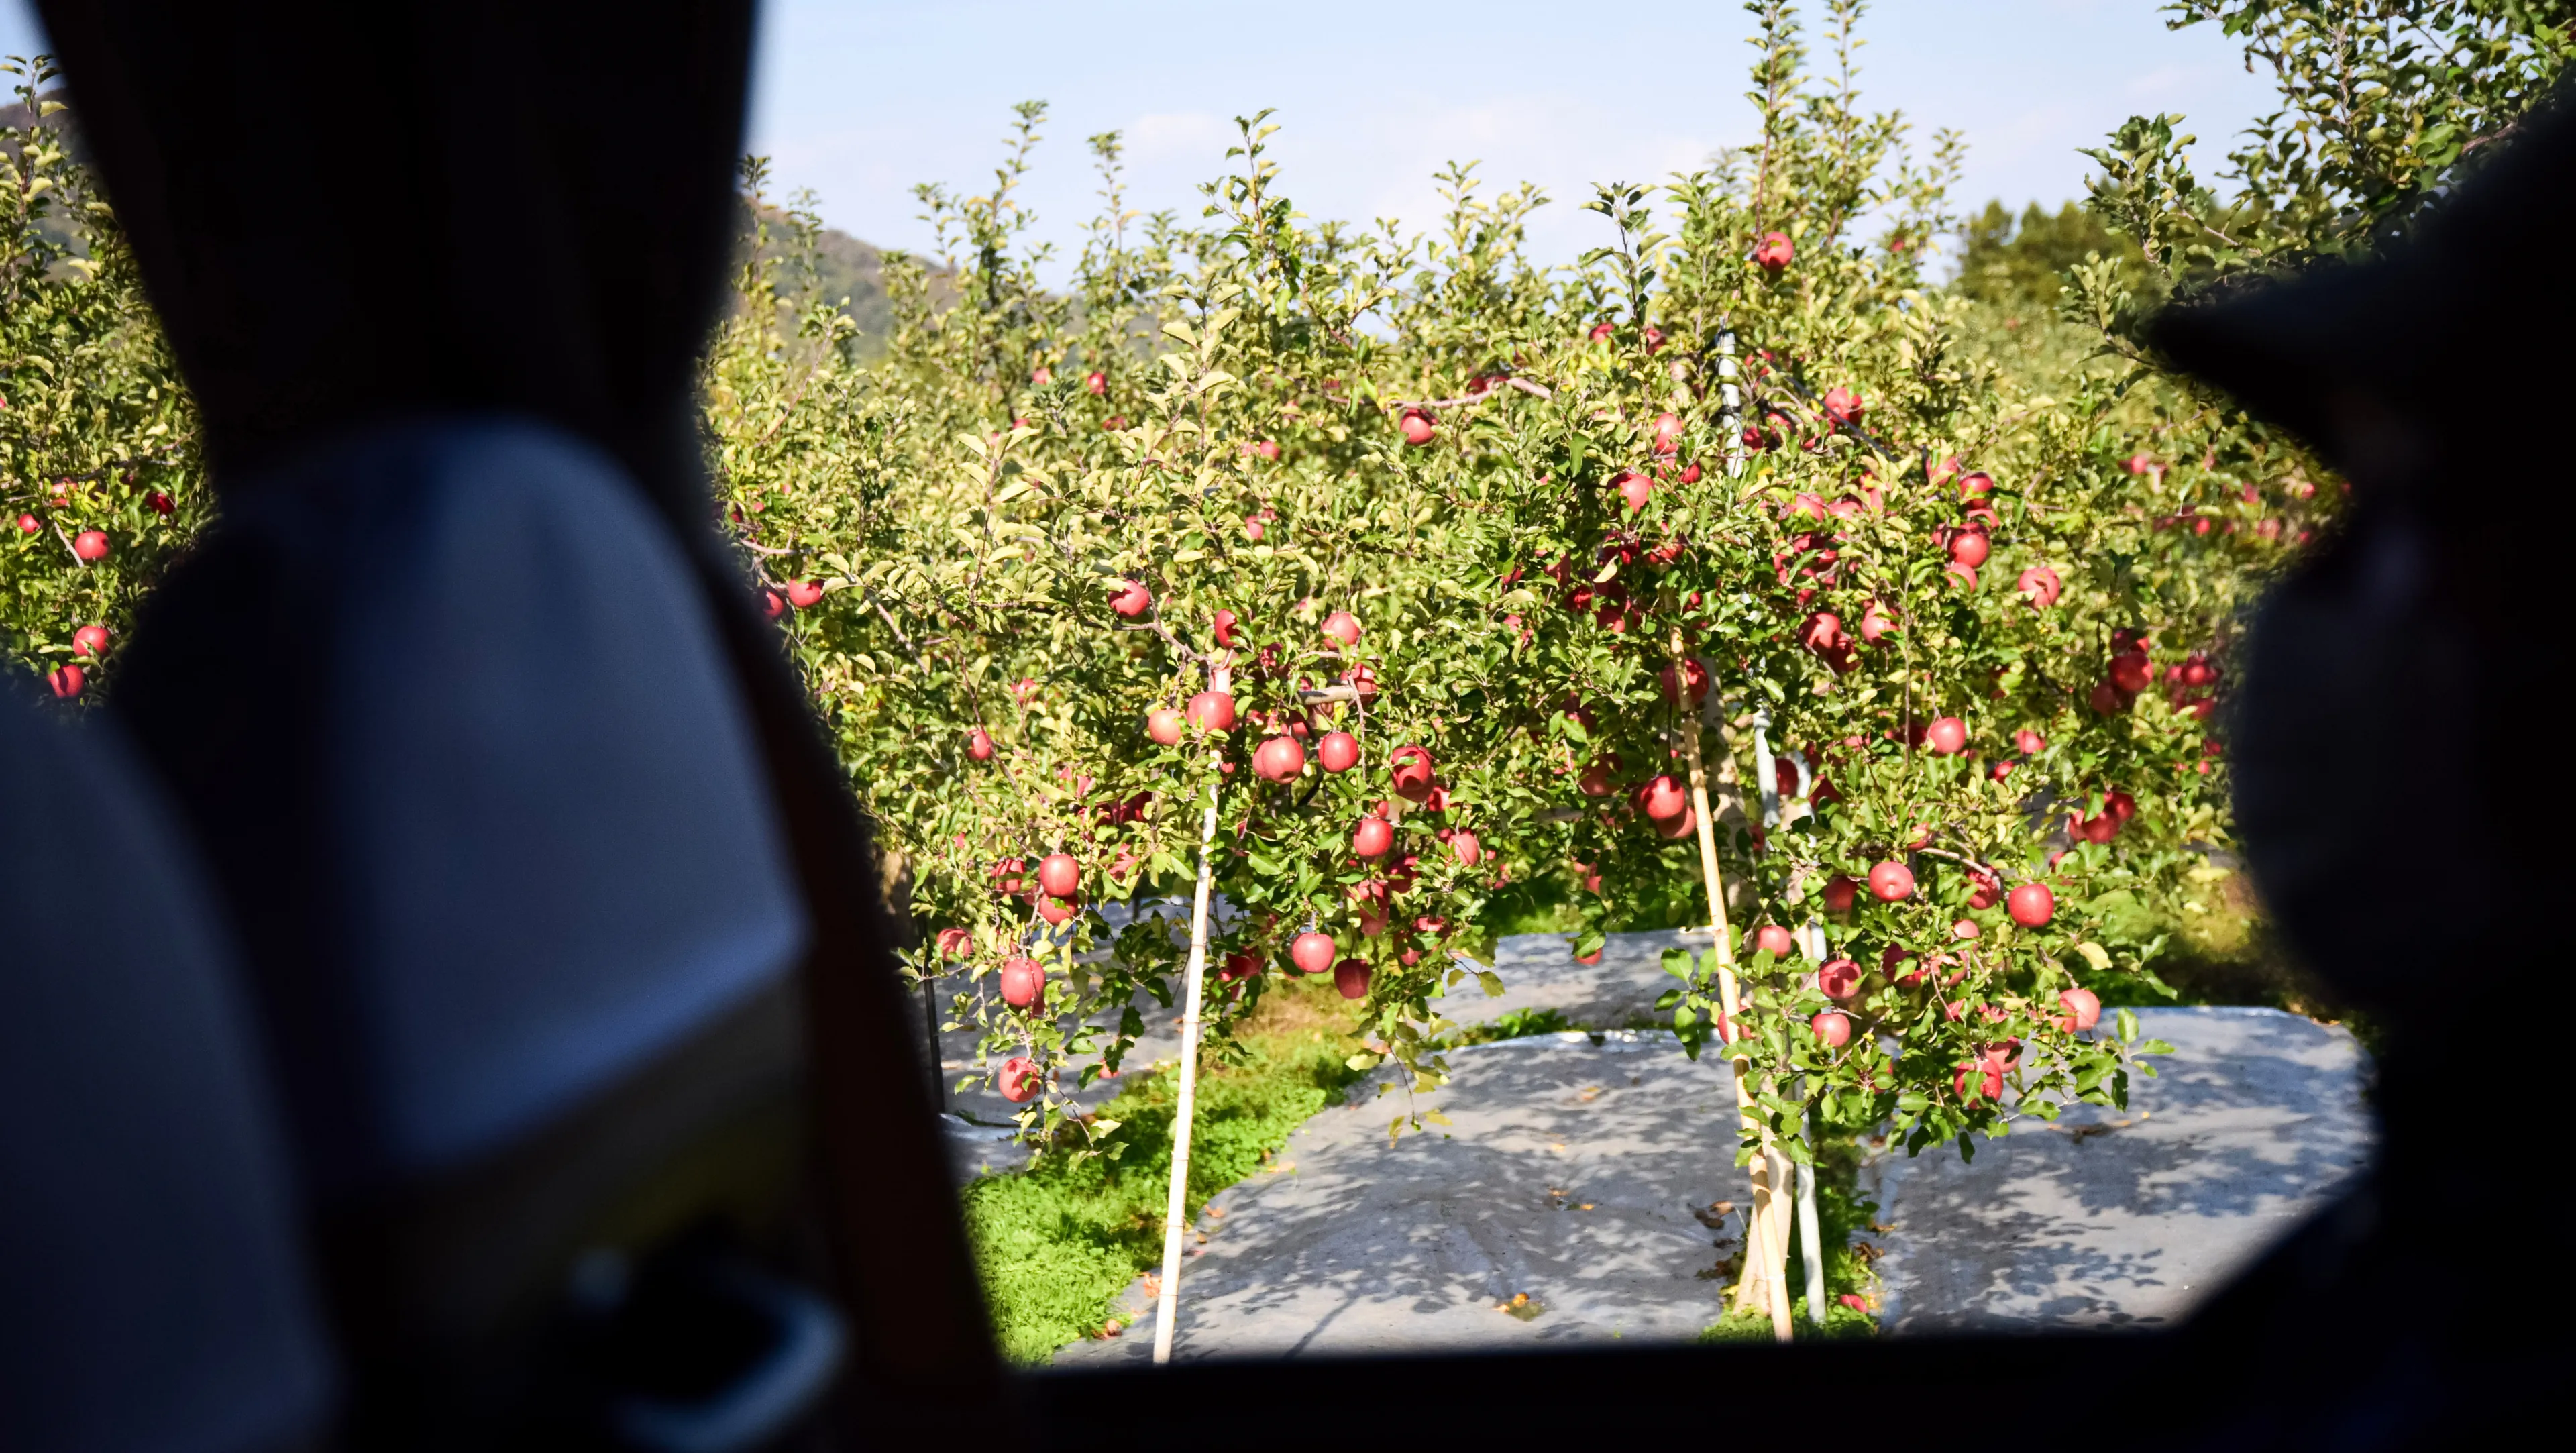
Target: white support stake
[[1176, 1207]]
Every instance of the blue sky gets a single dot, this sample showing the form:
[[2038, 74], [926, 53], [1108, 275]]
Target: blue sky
[[858, 101]]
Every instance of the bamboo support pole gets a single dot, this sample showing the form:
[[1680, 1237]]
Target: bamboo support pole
[[1176, 1205], [1763, 1245]]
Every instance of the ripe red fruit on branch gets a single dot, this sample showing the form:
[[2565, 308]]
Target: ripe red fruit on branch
[[1311, 952], [1266, 448], [1668, 433], [90, 544], [1947, 736], [1875, 623], [1343, 627], [1058, 911], [1212, 711], [955, 943], [2031, 904], [2029, 743], [1823, 632], [1679, 827], [1022, 981], [1690, 671], [1969, 547], [66, 681], [1774, 940], [1977, 485], [29, 524], [1966, 930], [2039, 585], [1839, 979], [1413, 772], [1130, 598], [1338, 751], [2132, 672], [1351, 976], [161, 504], [979, 745], [1223, 623], [1634, 489], [1279, 759], [1841, 893], [1663, 798], [1060, 875], [1019, 1080], [1097, 382], [1833, 1027], [2083, 1009], [1163, 725], [1843, 406], [804, 594], [1418, 426], [90, 641], [1775, 252], [1009, 876], [1891, 882], [1372, 837], [1467, 848]]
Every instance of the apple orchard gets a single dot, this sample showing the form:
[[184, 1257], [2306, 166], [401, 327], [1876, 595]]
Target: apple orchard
[[1305, 591]]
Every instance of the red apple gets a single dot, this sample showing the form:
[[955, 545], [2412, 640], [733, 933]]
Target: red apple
[[1019, 1080], [1840, 893], [29, 524], [1097, 382], [955, 943], [2083, 1006], [1241, 964], [1691, 672], [161, 504], [1266, 448], [2120, 805], [1843, 406], [1114, 423], [2132, 672], [1009, 876], [1966, 930], [1130, 598], [1212, 711], [1833, 1027], [90, 641], [1891, 882], [1466, 847], [1875, 623], [1418, 426], [1372, 837], [1023, 982], [1595, 781], [1838, 979], [2029, 743], [1343, 627], [1679, 827], [1668, 433], [771, 605], [1823, 632], [1774, 940], [1351, 976], [1279, 759], [1635, 489], [1224, 622], [1338, 751], [1058, 911], [804, 594], [979, 745], [1663, 798], [1413, 772], [2031, 904], [1060, 875], [2107, 699], [66, 681], [1311, 952], [2039, 585], [90, 544], [1963, 576], [1969, 547], [1775, 252], [1164, 725], [1947, 736]]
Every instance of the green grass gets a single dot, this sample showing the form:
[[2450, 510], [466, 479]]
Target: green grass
[[1060, 1240], [1842, 1221]]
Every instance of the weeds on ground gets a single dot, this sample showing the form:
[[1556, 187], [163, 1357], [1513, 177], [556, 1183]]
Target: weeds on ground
[[1058, 1241], [1843, 1221]]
